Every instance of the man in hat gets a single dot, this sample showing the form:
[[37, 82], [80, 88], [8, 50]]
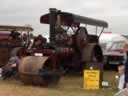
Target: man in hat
[[14, 35], [39, 41]]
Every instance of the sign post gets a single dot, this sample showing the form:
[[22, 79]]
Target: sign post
[[91, 79]]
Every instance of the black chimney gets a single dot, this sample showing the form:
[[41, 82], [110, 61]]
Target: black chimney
[[52, 22]]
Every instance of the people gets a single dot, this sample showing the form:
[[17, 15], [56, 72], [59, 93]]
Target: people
[[126, 71], [14, 39], [39, 41], [121, 72], [126, 65], [25, 39], [15, 35], [11, 68]]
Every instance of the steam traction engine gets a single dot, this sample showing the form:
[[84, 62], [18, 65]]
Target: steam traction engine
[[71, 47]]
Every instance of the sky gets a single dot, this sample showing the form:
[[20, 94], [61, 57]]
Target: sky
[[28, 12]]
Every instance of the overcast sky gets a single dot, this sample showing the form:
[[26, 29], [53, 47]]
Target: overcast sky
[[22, 12]]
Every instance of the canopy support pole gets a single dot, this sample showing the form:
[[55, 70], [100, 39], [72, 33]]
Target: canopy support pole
[[101, 32]]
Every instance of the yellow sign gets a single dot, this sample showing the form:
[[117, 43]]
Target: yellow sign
[[91, 79]]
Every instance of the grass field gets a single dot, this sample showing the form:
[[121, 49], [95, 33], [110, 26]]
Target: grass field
[[69, 86]]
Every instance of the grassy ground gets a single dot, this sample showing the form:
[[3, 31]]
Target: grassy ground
[[68, 86]]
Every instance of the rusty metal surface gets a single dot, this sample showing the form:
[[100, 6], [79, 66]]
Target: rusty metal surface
[[88, 53], [31, 64], [4, 56], [29, 70]]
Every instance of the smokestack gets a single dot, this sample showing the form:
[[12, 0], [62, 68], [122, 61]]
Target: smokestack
[[52, 22]]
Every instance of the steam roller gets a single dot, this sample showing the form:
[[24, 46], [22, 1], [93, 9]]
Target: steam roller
[[35, 70]]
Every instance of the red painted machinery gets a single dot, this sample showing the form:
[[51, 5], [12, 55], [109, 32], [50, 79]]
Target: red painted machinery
[[70, 48]]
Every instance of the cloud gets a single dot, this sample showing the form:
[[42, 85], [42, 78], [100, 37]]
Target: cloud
[[23, 12]]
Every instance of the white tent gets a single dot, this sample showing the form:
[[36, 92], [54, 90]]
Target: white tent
[[111, 37], [107, 39]]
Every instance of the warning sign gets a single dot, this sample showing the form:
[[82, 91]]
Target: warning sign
[[91, 79]]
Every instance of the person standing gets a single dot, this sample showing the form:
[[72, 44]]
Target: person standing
[[126, 65], [121, 72]]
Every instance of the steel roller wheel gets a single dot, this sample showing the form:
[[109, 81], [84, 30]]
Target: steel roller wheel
[[32, 70]]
